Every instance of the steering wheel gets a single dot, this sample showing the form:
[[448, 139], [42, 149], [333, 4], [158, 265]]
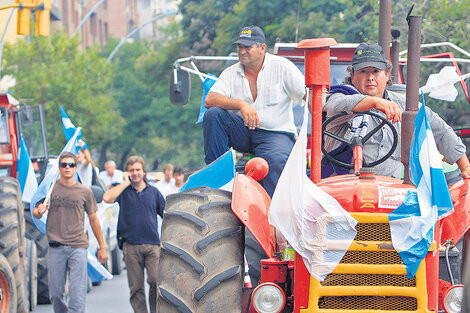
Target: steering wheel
[[356, 141]]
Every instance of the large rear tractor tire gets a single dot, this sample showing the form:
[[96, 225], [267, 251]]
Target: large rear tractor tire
[[254, 254], [12, 234], [42, 246], [31, 274], [8, 287], [201, 260]]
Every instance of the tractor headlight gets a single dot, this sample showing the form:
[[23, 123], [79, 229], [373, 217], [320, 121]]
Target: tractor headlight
[[268, 298], [453, 299]]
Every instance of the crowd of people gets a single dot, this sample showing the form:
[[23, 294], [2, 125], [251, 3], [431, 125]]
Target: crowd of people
[[142, 200], [249, 109], [167, 182]]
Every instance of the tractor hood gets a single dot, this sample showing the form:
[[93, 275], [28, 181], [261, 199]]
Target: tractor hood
[[366, 193]]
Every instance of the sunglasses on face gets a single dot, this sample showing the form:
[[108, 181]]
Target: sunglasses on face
[[64, 165]]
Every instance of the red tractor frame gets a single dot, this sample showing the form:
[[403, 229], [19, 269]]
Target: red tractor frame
[[201, 263], [21, 256]]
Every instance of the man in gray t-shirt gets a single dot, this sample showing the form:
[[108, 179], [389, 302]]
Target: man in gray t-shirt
[[366, 90], [68, 242]]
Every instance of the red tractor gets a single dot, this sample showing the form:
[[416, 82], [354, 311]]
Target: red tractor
[[22, 259], [201, 266]]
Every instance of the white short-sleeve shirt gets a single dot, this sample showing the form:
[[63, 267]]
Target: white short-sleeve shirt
[[118, 177], [279, 84], [166, 188]]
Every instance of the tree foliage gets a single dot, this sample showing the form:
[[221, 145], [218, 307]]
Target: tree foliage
[[153, 127], [123, 105], [53, 71]]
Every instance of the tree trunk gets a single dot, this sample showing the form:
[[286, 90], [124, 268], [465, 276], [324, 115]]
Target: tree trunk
[[124, 158], [103, 153]]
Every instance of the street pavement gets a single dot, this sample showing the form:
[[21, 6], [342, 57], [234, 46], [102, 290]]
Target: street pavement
[[110, 297]]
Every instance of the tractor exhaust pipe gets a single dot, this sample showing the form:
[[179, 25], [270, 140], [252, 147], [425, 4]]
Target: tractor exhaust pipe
[[412, 90], [385, 25], [395, 54]]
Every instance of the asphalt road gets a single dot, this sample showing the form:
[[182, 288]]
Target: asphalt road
[[110, 297]]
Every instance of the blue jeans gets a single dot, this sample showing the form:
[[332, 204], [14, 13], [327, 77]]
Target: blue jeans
[[224, 129], [62, 260]]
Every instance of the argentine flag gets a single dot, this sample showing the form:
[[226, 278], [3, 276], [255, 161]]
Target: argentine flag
[[96, 271], [46, 184], [218, 175], [412, 223], [26, 176], [69, 130], [206, 87]]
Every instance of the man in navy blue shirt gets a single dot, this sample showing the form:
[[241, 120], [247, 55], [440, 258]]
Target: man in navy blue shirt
[[138, 231]]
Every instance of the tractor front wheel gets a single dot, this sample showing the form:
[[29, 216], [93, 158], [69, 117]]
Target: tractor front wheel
[[201, 260], [7, 286], [42, 247], [11, 234]]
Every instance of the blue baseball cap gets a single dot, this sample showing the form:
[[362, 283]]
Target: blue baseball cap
[[249, 35]]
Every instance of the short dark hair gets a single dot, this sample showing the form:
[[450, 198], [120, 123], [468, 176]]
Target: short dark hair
[[64, 155], [135, 159], [178, 170]]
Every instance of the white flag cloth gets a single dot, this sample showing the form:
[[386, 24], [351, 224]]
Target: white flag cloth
[[311, 220], [26, 175], [441, 86]]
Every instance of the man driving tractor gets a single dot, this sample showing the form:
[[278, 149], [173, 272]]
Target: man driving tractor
[[364, 90]]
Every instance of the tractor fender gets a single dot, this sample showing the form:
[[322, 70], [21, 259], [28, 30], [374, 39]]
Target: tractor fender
[[250, 203], [454, 226]]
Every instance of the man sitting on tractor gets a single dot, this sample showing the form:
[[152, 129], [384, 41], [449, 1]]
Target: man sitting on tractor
[[250, 106], [364, 90]]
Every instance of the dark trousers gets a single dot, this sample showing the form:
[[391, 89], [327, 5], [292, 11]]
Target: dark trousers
[[223, 129], [138, 258]]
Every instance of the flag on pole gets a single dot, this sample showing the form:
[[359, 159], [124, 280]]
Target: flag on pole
[[219, 174], [26, 176], [47, 183], [311, 220], [412, 223], [96, 271], [69, 130]]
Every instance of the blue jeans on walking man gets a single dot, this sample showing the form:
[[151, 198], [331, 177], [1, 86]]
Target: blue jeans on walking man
[[63, 260], [224, 129]]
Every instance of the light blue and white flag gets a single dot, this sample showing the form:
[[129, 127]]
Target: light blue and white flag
[[311, 220], [26, 176], [47, 183], [96, 271], [206, 87], [412, 223], [69, 130], [219, 174]]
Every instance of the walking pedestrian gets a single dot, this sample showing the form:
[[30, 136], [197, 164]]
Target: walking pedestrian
[[68, 243], [137, 229]]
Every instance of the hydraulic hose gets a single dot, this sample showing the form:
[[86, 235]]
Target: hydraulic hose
[[449, 270]]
